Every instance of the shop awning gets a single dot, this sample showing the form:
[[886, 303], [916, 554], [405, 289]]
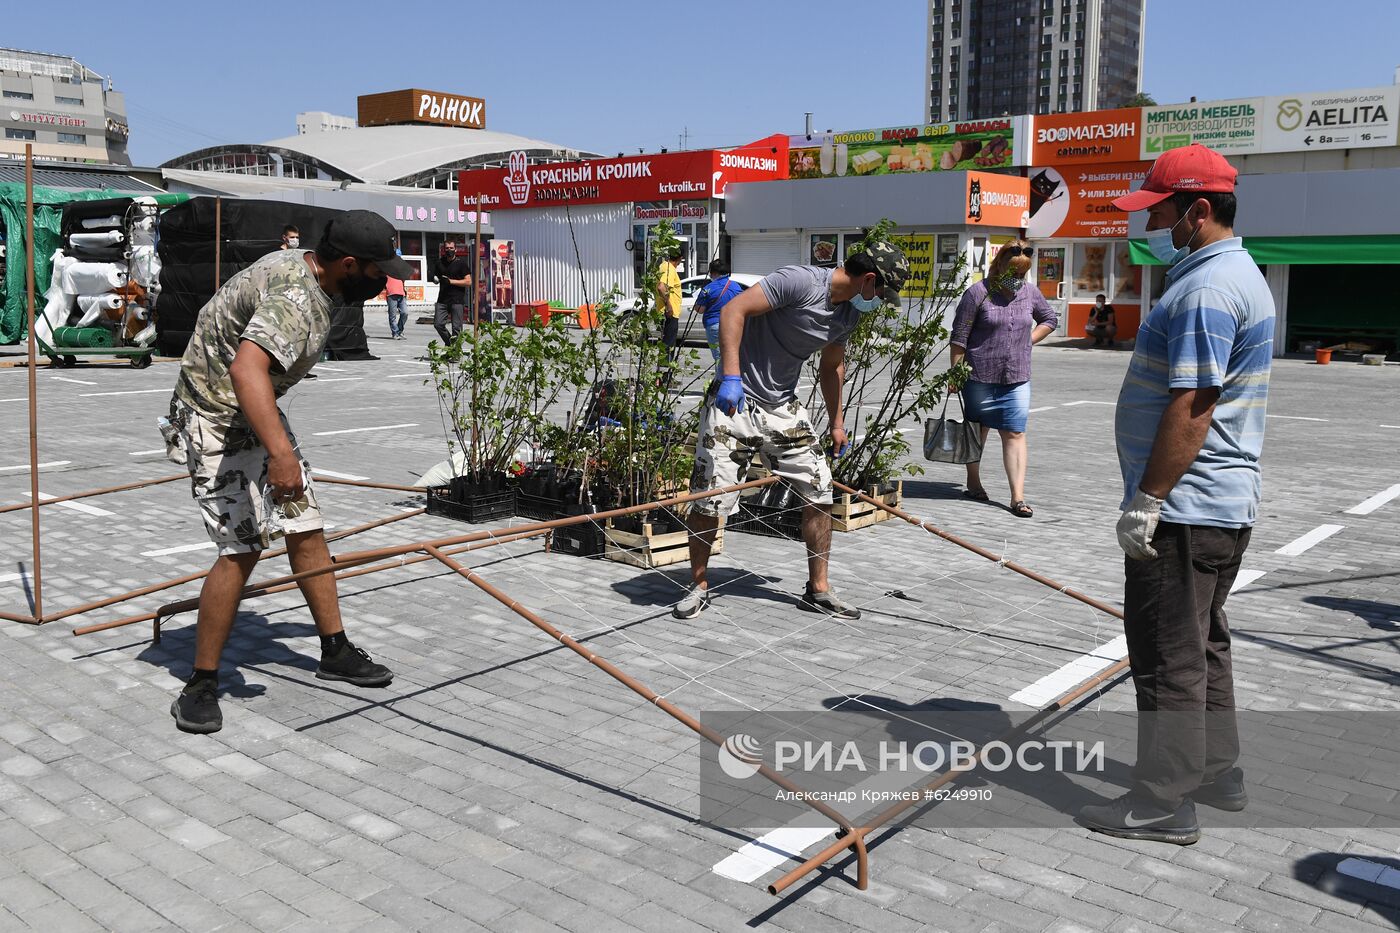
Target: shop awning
[[1303, 250]]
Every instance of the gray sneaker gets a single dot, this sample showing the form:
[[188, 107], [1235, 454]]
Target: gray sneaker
[[694, 602], [828, 602]]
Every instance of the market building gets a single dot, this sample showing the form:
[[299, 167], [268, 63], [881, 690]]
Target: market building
[[65, 110]]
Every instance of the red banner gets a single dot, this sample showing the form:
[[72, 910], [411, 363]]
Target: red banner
[[694, 175]]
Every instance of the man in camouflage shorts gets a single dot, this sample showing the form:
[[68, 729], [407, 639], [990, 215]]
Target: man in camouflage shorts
[[766, 334], [256, 338]]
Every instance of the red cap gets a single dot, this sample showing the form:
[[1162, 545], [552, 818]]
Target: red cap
[[1189, 168]]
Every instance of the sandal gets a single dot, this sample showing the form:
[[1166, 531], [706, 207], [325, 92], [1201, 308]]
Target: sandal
[[1020, 509], [978, 496]]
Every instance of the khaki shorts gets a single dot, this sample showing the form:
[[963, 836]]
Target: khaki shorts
[[781, 435], [228, 474]]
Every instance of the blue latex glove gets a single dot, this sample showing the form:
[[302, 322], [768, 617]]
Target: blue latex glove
[[730, 397]]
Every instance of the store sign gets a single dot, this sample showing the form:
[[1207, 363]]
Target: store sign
[[995, 200], [1331, 120], [1230, 127], [46, 119], [117, 128], [688, 176], [1076, 200], [409, 213], [1097, 136], [418, 106], [918, 250], [680, 212], [936, 147]]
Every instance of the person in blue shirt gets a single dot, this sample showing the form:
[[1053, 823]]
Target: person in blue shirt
[[1190, 430], [711, 299]]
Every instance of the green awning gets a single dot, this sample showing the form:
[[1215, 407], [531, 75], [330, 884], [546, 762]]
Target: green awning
[[1302, 250]]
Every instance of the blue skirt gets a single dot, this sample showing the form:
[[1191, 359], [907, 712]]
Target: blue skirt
[[1002, 407]]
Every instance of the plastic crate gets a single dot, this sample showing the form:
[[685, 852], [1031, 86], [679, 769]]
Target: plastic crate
[[585, 539], [539, 508], [478, 508], [774, 512]]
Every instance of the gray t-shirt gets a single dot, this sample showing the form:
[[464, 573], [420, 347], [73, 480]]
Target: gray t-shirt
[[802, 320]]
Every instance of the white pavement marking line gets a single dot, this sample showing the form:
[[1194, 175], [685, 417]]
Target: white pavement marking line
[[1384, 425], [9, 577], [382, 427], [340, 379], [25, 466], [1295, 418], [25, 398], [76, 506], [1367, 870], [81, 382], [127, 392], [407, 376], [1044, 408], [1245, 578], [770, 850], [1317, 535], [179, 550], [146, 453], [334, 475], [1375, 502], [332, 369], [1058, 683], [1085, 402]]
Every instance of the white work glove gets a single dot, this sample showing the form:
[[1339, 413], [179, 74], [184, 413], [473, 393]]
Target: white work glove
[[1137, 524]]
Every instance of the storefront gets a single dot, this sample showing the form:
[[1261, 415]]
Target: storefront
[[941, 215], [582, 228]]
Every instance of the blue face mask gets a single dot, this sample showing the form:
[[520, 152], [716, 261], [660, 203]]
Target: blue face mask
[[1160, 243], [865, 305]]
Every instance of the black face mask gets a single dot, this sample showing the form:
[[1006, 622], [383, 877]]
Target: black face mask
[[359, 287]]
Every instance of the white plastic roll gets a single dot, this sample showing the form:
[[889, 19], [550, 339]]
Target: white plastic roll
[[94, 223], [91, 240], [94, 307], [93, 278], [145, 265], [57, 301]]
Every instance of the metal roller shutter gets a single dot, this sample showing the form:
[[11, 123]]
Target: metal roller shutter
[[761, 253]]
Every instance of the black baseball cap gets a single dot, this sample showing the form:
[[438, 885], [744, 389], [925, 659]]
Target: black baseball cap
[[366, 235]]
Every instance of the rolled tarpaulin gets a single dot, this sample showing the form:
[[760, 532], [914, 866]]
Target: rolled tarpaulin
[[84, 337], [95, 240], [97, 223], [97, 306], [93, 278]]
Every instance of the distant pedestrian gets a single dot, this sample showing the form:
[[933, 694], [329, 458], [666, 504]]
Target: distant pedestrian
[[997, 322], [1102, 324], [291, 237], [712, 298], [454, 277], [668, 297], [396, 300], [1190, 428]]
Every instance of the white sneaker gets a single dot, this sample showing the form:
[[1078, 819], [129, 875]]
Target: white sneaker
[[696, 601]]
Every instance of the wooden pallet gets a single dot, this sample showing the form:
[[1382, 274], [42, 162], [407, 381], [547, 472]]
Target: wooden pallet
[[649, 550], [849, 513]]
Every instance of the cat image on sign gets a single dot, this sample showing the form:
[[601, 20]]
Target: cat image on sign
[[974, 200]]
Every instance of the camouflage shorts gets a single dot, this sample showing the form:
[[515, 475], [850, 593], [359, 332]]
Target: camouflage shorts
[[228, 474], [781, 435]]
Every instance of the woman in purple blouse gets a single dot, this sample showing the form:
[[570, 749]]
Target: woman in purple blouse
[[997, 322]]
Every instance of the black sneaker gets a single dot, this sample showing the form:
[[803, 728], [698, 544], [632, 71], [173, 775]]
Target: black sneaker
[[828, 602], [196, 709], [1224, 793], [1128, 818], [354, 666]]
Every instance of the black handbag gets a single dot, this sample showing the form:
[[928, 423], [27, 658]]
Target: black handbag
[[948, 440]]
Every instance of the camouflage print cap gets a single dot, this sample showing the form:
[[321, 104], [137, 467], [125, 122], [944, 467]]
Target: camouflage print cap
[[892, 268]]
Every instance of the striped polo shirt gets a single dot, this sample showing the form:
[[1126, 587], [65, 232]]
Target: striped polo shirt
[[1214, 326]]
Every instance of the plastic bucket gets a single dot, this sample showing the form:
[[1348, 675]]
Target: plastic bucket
[[1323, 356]]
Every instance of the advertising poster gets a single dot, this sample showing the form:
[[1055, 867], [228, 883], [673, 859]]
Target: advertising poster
[[1330, 120], [1230, 127], [936, 147], [502, 273], [1076, 200], [918, 249], [995, 200], [1097, 136]]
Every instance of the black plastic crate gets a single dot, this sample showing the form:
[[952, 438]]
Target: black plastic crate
[[774, 511], [540, 508], [584, 539], [476, 508]]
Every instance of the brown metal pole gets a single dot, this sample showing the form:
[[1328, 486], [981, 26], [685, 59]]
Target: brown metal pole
[[33, 382], [93, 492], [218, 238], [631, 683], [476, 324], [983, 552], [358, 558], [191, 577], [368, 485]]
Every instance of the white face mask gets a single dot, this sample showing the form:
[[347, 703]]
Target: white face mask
[[1161, 245], [293, 242], [680, 268]]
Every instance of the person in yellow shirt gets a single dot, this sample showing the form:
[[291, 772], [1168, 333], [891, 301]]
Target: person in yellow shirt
[[668, 297]]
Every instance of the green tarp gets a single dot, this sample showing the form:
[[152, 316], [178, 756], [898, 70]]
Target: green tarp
[[1303, 250]]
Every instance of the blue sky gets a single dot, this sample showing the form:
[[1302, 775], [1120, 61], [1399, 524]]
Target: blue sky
[[622, 75]]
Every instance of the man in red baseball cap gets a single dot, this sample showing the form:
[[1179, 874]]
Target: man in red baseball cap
[[1189, 429]]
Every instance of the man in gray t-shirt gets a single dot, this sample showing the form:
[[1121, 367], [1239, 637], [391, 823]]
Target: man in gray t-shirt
[[766, 335]]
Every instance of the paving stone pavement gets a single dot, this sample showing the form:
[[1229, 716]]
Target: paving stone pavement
[[500, 783]]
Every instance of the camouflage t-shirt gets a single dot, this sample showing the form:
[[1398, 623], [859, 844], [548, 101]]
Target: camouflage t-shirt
[[277, 304]]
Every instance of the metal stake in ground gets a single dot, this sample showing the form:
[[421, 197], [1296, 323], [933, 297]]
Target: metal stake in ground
[[33, 380]]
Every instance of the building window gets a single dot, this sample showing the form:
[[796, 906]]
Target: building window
[[77, 139], [11, 133], [19, 95], [70, 101]]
